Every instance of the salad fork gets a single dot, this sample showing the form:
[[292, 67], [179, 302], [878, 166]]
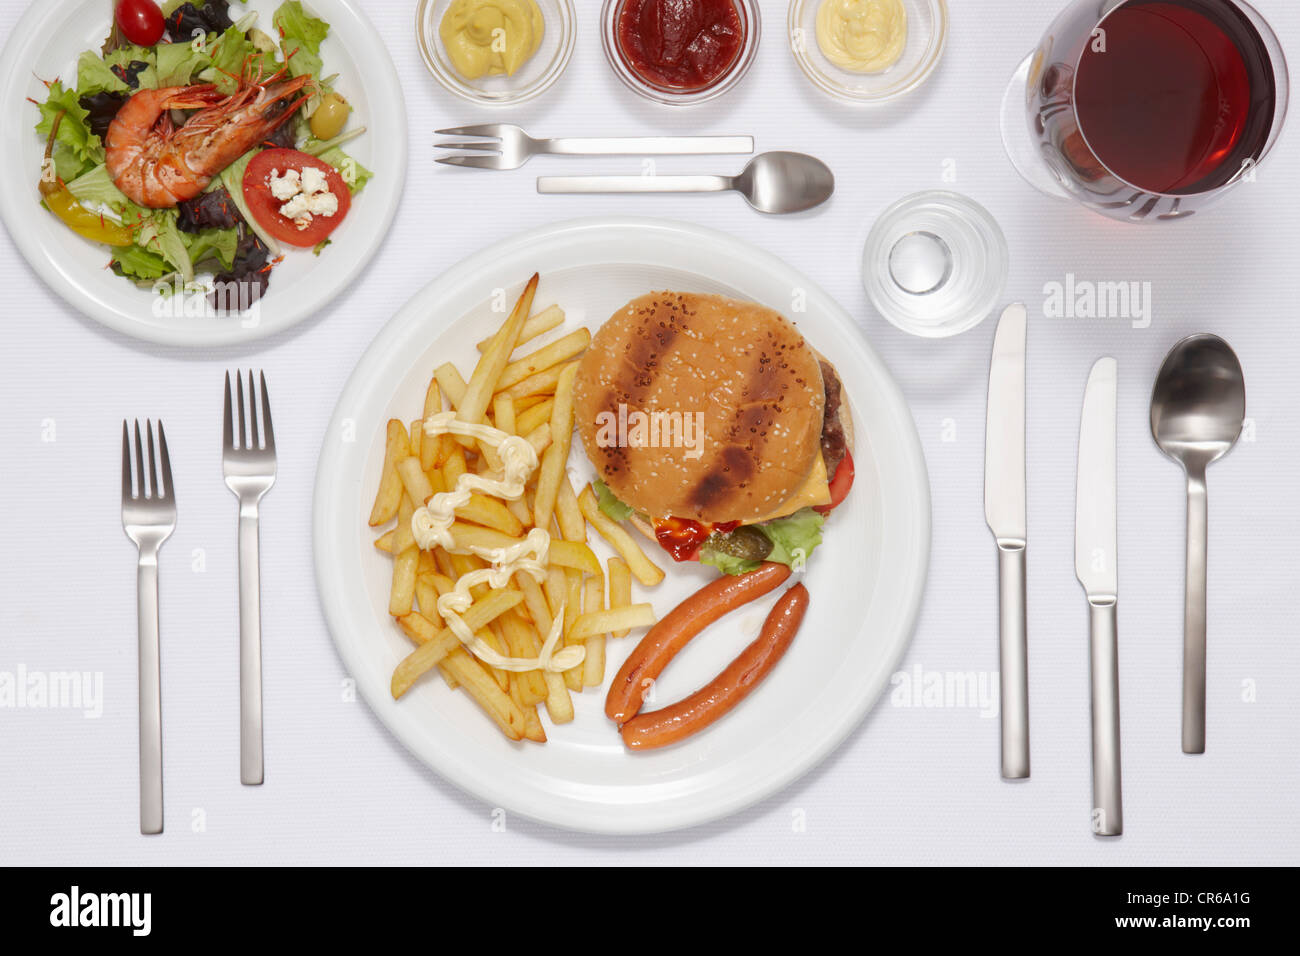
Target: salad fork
[[509, 147], [248, 461], [148, 517]]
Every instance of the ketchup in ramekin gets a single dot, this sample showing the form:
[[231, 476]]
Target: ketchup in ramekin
[[680, 50]]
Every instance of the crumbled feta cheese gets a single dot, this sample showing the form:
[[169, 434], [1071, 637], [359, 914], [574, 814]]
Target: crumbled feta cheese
[[304, 195], [313, 180], [323, 204], [286, 186], [298, 209]]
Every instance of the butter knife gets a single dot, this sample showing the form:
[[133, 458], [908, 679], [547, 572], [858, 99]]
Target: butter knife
[[1095, 563], [1004, 509]]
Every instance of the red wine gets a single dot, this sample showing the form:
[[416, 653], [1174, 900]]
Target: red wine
[[1175, 96]]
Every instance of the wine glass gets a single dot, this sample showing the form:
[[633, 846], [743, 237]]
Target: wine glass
[[1147, 110]]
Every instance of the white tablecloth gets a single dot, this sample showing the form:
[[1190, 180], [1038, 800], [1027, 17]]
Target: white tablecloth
[[914, 784]]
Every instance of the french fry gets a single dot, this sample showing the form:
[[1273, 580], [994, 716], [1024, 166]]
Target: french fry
[[572, 610], [533, 416], [591, 623], [491, 513], [542, 383], [436, 481], [503, 414], [557, 455], [561, 350], [426, 595], [414, 480], [558, 702], [474, 677], [402, 593], [539, 324], [523, 404], [449, 381], [518, 638], [389, 495], [403, 536], [562, 411], [416, 430], [426, 564], [540, 438], [555, 587], [620, 589], [465, 536], [443, 560], [593, 602], [431, 452], [385, 541], [574, 554], [643, 569], [573, 526], [534, 601], [548, 485], [492, 640], [519, 508], [482, 383], [454, 466], [532, 724], [437, 642], [465, 564]]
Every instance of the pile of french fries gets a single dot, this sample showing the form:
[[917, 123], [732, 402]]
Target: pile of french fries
[[529, 395]]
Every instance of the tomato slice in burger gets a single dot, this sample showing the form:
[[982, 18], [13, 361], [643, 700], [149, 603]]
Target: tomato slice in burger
[[265, 207], [841, 482]]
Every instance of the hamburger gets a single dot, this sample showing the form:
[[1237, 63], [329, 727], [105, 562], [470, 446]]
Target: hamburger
[[715, 428]]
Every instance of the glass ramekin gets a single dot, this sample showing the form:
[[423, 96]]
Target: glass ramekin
[[532, 79], [748, 10], [927, 33]]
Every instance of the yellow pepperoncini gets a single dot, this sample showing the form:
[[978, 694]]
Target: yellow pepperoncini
[[75, 216]]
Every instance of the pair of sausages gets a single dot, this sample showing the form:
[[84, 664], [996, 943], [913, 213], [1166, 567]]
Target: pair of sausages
[[661, 644]]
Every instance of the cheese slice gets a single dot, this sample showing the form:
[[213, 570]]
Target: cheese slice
[[815, 490]]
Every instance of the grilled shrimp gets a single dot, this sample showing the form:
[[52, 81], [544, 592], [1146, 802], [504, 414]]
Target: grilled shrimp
[[159, 165]]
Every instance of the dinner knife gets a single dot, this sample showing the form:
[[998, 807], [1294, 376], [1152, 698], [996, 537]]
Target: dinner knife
[[1095, 563], [1004, 509]]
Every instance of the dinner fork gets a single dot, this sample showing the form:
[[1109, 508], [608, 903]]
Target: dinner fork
[[149, 517], [509, 147], [248, 461]]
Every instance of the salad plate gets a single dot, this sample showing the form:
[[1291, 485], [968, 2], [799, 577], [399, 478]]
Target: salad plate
[[46, 45], [866, 579]]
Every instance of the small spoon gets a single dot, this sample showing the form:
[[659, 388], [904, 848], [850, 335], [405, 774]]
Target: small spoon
[[1198, 408], [776, 182]]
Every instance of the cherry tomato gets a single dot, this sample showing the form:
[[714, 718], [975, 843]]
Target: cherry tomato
[[841, 482], [266, 208], [141, 21]]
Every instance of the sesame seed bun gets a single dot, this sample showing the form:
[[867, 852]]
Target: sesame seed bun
[[740, 370]]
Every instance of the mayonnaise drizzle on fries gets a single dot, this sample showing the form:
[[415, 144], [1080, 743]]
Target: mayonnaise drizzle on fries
[[431, 527]]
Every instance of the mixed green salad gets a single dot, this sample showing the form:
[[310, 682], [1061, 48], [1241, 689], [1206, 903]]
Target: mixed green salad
[[231, 230]]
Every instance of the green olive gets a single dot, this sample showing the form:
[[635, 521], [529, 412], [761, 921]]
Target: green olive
[[330, 117]]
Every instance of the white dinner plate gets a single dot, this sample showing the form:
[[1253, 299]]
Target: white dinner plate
[[45, 44], [866, 580]]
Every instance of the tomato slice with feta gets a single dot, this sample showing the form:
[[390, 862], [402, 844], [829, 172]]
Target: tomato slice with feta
[[279, 180]]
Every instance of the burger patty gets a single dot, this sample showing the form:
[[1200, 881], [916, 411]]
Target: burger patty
[[834, 443]]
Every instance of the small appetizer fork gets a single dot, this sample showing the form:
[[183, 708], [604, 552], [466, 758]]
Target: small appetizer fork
[[149, 518], [509, 147], [248, 461]]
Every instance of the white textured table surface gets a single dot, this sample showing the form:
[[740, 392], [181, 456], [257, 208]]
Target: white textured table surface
[[914, 784]]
